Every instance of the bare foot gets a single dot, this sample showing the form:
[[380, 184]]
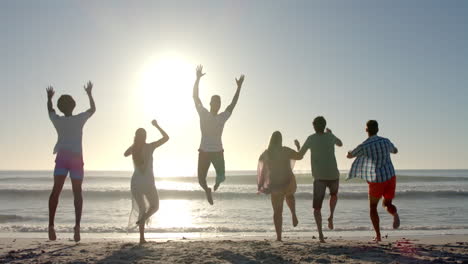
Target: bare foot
[[216, 186], [52, 235], [322, 239], [143, 241], [77, 236], [377, 239], [396, 221], [208, 196], [330, 223], [295, 221], [279, 239]]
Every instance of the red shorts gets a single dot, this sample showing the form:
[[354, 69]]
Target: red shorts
[[385, 189]]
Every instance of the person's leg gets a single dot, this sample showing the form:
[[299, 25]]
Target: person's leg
[[319, 194], [374, 216], [203, 166], [140, 201], [291, 201], [78, 202], [153, 200], [391, 209], [59, 180], [389, 194], [218, 163], [76, 176], [333, 186], [376, 191], [277, 200]]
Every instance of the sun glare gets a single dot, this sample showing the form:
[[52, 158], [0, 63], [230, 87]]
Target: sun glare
[[168, 217], [166, 88]]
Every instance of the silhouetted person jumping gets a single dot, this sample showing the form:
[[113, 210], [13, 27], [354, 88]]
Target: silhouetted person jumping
[[373, 164], [69, 159], [211, 125], [145, 200]]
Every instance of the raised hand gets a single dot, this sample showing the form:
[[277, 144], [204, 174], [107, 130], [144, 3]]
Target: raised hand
[[154, 123], [50, 92], [200, 71], [240, 80], [88, 87], [297, 144]]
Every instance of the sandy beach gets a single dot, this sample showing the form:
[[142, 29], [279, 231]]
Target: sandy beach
[[428, 249]]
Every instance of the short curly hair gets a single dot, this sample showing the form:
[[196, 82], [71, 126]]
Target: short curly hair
[[319, 124], [66, 104]]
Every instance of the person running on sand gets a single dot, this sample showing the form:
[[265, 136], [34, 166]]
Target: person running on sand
[[211, 125], [275, 177], [373, 164], [324, 169], [68, 150], [145, 200]]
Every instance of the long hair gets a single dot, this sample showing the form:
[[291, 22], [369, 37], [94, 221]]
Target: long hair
[[276, 143], [138, 142]]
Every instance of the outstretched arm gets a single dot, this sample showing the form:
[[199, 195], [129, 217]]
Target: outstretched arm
[[50, 93], [163, 140], [196, 98], [358, 151], [297, 155], [89, 88], [302, 151], [239, 82]]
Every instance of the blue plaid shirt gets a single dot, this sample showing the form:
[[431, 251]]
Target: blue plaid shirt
[[373, 162]]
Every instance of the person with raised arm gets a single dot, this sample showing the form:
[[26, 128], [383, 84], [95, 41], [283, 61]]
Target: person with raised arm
[[324, 169], [69, 153], [373, 164], [212, 124], [275, 176], [145, 199]]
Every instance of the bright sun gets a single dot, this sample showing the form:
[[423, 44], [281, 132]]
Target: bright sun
[[166, 87]]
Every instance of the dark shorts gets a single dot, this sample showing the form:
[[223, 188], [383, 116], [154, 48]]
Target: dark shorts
[[385, 189], [205, 159], [320, 187]]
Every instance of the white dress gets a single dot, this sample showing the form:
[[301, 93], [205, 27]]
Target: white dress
[[143, 187]]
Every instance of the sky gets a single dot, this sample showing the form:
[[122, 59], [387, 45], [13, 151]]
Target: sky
[[403, 63]]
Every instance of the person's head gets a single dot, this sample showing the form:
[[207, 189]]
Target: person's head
[[140, 136], [138, 143], [276, 141], [66, 104], [319, 124], [215, 103], [372, 127]]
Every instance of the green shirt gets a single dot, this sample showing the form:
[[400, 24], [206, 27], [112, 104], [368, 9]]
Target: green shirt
[[322, 156]]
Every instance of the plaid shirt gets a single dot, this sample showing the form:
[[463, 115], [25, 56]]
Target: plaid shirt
[[373, 162]]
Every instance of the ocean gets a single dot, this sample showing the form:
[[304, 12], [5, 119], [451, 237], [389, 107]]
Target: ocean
[[430, 202]]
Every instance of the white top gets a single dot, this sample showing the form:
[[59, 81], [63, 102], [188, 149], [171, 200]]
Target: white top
[[212, 129], [142, 184], [69, 131]]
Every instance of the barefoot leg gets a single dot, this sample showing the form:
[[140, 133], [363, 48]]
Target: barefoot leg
[[53, 203], [78, 202]]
